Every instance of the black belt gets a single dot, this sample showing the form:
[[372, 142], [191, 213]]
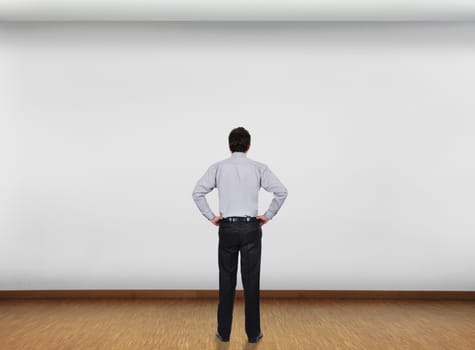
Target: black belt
[[241, 218]]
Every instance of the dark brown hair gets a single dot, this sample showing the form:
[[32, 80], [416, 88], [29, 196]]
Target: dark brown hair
[[239, 140]]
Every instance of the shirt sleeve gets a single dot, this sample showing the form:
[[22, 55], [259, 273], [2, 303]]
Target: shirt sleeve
[[271, 183], [205, 185]]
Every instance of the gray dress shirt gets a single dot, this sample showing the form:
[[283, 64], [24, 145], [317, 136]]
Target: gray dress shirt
[[238, 179]]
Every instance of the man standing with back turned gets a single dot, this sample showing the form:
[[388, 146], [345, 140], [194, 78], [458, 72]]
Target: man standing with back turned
[[238, 179]]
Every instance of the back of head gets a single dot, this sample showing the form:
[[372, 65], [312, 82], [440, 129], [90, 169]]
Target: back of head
[[239, 140]]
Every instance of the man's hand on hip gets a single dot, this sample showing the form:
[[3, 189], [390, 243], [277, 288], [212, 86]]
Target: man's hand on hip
[[216, 220], [263, 220]]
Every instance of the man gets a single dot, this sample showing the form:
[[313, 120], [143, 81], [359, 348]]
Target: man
[[238, 179]]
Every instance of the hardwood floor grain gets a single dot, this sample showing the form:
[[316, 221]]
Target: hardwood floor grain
[[190, 324]]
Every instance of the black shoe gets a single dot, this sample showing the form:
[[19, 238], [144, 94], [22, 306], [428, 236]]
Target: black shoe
[[256, 339], [220, 337]]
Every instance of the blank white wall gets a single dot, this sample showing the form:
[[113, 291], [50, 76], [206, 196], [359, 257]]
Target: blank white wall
[[105, 129], [225, 10]]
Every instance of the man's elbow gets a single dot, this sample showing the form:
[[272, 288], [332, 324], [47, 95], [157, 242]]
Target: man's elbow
[[283, 193], [195, 195]]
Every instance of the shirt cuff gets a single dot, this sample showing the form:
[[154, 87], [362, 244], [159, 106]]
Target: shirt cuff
[[209, 216], [268, 215]]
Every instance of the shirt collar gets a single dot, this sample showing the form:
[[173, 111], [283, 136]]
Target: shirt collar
[[238, 154]]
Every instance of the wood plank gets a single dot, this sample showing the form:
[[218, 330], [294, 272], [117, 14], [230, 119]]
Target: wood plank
[[189, 324], [213, 294]]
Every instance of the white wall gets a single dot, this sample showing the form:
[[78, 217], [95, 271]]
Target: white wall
[[231, 10], [105, 129]]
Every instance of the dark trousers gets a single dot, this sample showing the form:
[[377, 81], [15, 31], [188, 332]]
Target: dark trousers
[[246, 238]]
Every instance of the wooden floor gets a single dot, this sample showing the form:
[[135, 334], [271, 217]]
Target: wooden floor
[[190, 324]]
